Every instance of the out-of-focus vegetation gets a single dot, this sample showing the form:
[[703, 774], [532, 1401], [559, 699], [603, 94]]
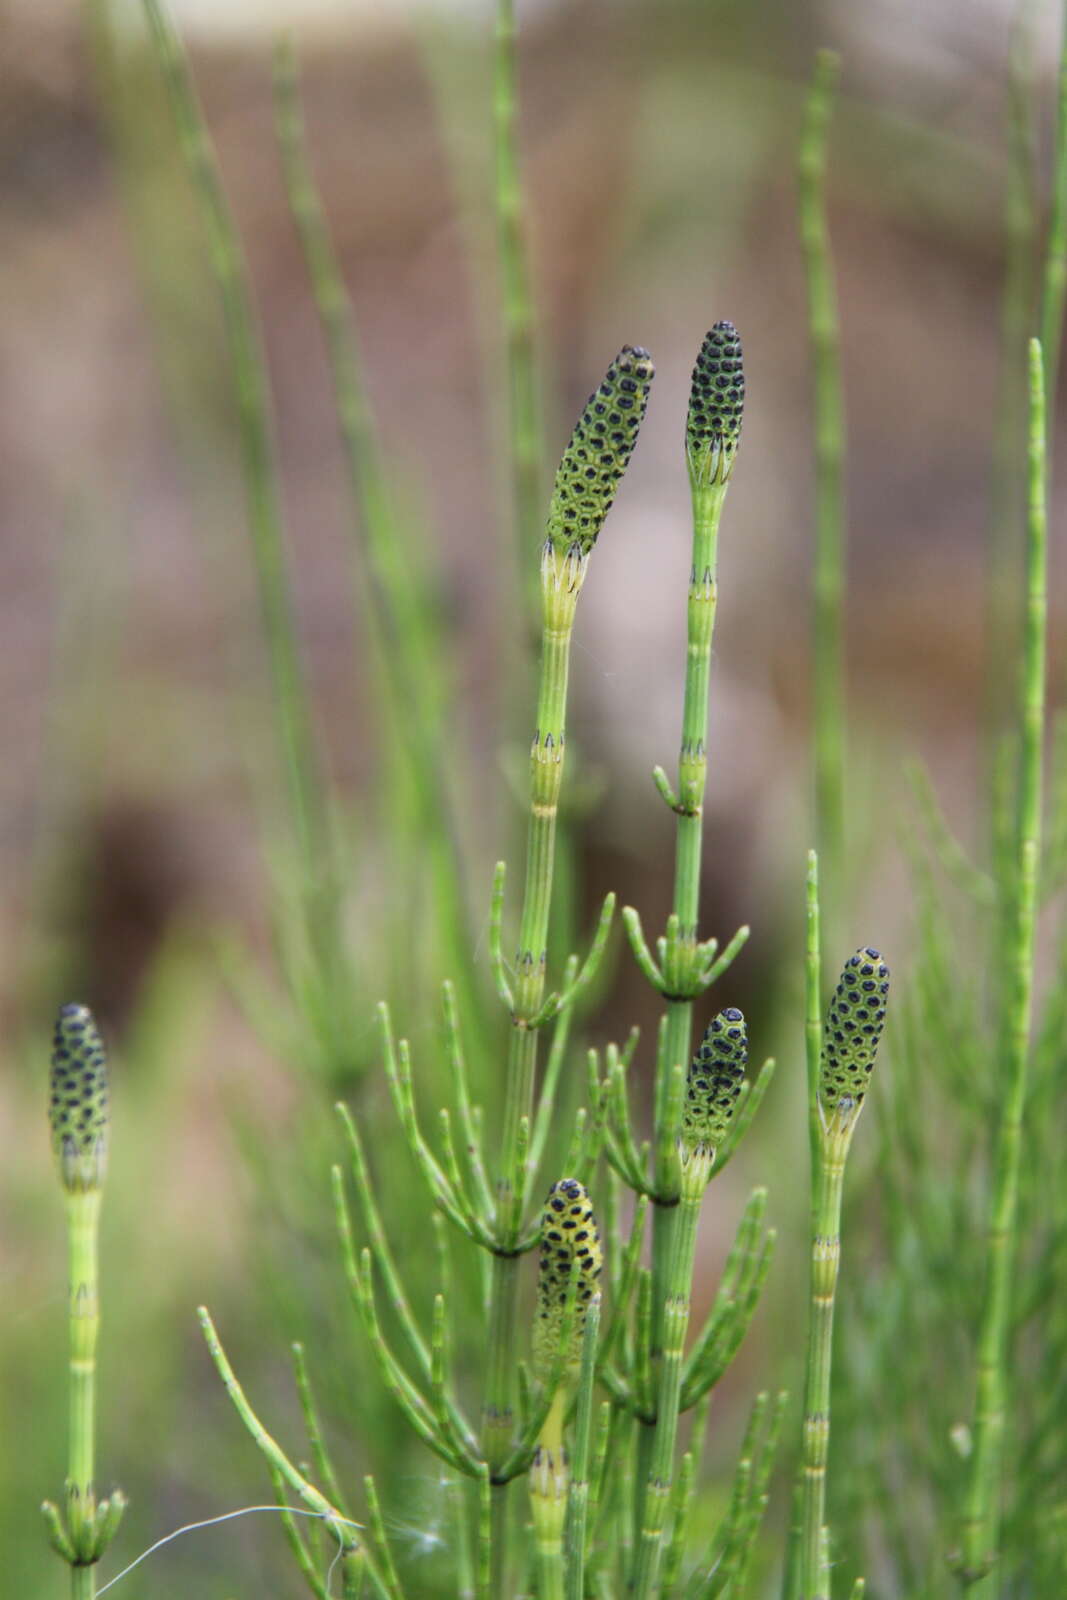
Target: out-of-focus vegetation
[[232, 911]]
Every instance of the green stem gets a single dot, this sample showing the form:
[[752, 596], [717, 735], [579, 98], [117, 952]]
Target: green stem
[[1007, 489], [1054, 275], [981, 1511], [680, 971], [261, 488], [526, 445], [406, 664], [83, 1228], [825, 1256], [828, 707], [675, 1325], [578, 1498], [546, 774]]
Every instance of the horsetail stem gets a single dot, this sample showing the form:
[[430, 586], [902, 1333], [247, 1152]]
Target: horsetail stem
[[713, 430], [570, 1265], [716, 1074], [588, 476], [827, 639], [981, 1511], [80, 1125], [845, 1050]]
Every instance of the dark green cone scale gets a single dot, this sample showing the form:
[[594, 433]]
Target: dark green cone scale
[[569, 1235], [78, 1110], [715, 1077], [716, 406], [599, 452], [854, 1024]]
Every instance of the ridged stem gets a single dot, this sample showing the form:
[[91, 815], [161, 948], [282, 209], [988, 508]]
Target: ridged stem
[[83, 1229], [526, 445], [675, 1324], [546, 774], [982, 1509], [815, 1443], [692, 781], [828, 699]]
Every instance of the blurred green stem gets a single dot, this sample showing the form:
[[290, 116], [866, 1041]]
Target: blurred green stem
[[981, 1516], [299, 755], [526, 443], [828, 708], [408, 667], [1054, 275]]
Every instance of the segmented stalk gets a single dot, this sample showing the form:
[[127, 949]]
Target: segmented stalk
[[828, 698], [981, 1520], [841, 1056], [713, 434], [79, 1119], [299, 754], [585, 485], [716, 1074], [526, 444]]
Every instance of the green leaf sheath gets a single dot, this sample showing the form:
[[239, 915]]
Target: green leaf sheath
[[981, 1519]]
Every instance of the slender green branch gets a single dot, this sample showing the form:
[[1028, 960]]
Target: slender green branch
[[981, 1516], [828, 697]]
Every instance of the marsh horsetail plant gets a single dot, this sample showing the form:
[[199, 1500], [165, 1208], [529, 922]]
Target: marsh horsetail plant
[[683, 967], [841, 1056], [80, 1126], [592, 465]]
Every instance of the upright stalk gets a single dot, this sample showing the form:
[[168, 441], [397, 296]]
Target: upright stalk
[[525, 439], [981, 1516], [714, 1082], [299, 756], [79, 1119], [828, 699], [1054, 272], [83, 1228], [839, 1063], [588, 475], [713, 430]]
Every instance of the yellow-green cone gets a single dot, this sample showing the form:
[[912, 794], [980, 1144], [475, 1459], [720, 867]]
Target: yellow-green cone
[[569, 1236], [854, 1023], [716, 1074], [716, 407], [599, 453], [78, 1109]]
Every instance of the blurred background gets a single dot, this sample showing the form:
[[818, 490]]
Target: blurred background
[[143, 844]]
